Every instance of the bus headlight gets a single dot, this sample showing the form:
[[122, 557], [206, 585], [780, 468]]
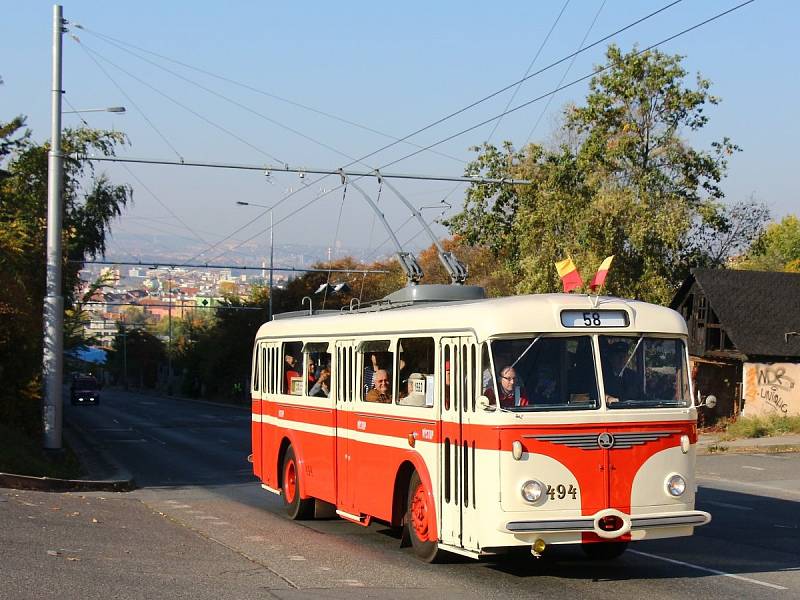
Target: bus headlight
[[676, 485], [532, 490]]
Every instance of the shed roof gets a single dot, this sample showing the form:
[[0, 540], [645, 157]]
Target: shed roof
[[756, 308]]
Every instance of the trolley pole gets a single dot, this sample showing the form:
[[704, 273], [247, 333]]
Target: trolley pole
[[53, 347]]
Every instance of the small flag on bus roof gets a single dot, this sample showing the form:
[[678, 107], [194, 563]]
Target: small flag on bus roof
[[600, 277], [570, 278]]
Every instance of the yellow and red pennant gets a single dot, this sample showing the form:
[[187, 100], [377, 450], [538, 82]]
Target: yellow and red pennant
[[568, 272], [600, 277]]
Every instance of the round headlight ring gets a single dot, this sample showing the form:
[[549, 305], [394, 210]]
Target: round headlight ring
[[676, 485], [532, 490]]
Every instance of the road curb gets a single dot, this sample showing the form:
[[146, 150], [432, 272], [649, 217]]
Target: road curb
[[723, 448], [52, 484]]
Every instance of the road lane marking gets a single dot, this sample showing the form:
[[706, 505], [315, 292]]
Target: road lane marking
[[726, 505], [747, 484], [753, 468], [708, 570], [209, 518]]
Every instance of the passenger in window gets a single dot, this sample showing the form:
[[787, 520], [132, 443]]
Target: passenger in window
[[322, 387], [312, 371], [511, 393], [381, 392], [370, 370], [545, 384], [618, 380], [290, 367]]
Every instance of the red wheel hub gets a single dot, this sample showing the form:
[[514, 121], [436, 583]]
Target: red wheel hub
[[290, 481], [419, 513]]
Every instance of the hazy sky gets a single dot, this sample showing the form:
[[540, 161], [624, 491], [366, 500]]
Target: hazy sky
[[389, 67]]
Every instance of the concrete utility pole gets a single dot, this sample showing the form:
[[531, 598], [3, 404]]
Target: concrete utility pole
[[53, 353]]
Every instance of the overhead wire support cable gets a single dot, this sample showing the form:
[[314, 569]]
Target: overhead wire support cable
[[130, 100], [252, 111], [180, 104], [303, 170], [120, 44]]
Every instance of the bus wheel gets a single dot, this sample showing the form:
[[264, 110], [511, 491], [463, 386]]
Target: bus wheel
[[296, 507], [420, 517], [604, 550]]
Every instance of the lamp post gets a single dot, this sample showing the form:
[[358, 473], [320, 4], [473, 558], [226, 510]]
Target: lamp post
[[53, 317], [53, 310], [271, 250], [111, 109]]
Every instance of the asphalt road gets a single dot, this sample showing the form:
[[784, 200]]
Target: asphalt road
[[201, 526]]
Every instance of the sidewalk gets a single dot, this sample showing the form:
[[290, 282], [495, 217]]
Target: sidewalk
[[710, 443]]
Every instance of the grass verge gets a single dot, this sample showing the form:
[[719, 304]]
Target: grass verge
[[757, 427], [22, 455]]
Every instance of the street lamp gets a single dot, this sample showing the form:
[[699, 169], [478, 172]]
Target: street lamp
[[53, 317], [111, 109], [271, 250]]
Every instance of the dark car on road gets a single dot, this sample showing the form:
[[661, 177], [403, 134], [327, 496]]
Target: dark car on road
[[85, 390]]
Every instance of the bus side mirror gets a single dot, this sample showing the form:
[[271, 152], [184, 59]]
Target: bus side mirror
[[710, 401], [485, 403]]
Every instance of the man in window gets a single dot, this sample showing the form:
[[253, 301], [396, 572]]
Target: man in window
[[511, 392], [381, 392]]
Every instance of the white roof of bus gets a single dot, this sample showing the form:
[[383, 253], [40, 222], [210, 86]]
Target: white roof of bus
[[489, 317]]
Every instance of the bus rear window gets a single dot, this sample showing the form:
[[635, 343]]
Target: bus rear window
[[543, 373]]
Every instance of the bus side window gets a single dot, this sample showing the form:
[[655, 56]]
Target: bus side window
[[318, 374], [292, 369], [378, 362], [415, 369], [446, 378], [254, 380], [487, 378]]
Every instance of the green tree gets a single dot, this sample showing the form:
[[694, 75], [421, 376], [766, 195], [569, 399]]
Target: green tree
[[777, 249], [135, 357], [629, 184], [91, 202]]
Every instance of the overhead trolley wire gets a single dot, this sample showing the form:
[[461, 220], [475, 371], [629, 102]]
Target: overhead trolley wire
[[250, 110], [121, 45], [161, 93], [530, 66], [452, 114], [565, 73], [571, 83], [538, 98], [129, 99], [551, 65]]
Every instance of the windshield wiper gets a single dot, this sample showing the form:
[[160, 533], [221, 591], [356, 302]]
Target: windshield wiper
[[524, 352], [631, 355]]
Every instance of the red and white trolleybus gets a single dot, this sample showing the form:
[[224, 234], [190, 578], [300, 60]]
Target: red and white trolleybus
[[481, 425]]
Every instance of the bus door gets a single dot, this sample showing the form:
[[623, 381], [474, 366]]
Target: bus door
[[457, 451], [344, 387], [271, 372]]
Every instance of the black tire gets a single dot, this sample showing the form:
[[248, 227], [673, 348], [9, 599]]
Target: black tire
[[420, 515], [296, 507], [604, 550]]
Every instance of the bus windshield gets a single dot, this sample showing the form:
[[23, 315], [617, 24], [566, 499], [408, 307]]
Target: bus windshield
[[644, 372], [542, 374]]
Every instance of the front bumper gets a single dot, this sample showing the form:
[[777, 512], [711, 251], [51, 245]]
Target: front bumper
[[591, 523]]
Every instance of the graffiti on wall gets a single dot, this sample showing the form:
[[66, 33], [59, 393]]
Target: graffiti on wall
[[771, 389]]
